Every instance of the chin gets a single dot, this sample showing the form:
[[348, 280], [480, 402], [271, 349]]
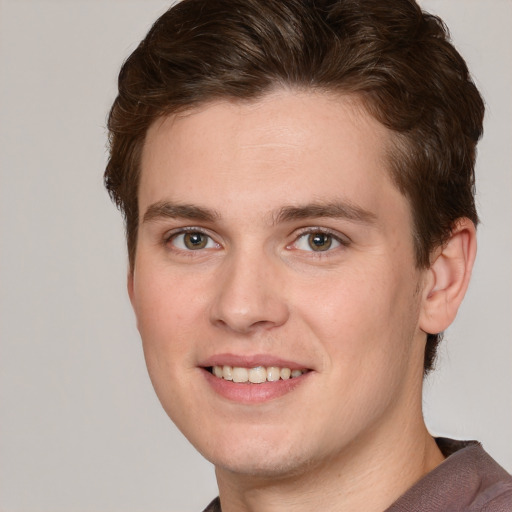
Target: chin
[[259, 457], [260, 467]]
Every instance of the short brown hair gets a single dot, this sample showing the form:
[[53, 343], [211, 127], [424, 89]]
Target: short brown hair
[[396, 58]]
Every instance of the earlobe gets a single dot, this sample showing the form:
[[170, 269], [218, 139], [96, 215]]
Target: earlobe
[[448, 278]]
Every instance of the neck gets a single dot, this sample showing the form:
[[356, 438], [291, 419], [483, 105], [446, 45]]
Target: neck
[[369, 475]]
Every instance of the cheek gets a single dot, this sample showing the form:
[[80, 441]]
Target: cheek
[[161, 309], [163, 298], [167, 323], [362, 318], [365, 330]]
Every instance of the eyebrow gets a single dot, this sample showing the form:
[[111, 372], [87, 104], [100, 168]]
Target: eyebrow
[[166, 209], [335, 209]]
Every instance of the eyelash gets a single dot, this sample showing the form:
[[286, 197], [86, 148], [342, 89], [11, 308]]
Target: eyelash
[[173, 235], [343, 241]]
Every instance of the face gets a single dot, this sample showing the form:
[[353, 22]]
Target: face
[[275, 286]]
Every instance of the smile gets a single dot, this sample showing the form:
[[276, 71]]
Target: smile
[[255, 375]]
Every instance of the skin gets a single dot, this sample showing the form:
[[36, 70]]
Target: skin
[[351, 433]]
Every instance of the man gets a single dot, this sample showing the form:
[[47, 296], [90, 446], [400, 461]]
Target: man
[[297, 180]]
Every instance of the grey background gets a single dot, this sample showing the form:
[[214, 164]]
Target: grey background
[[80, 427]]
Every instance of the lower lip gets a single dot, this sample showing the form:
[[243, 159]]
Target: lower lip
[[248, 393]]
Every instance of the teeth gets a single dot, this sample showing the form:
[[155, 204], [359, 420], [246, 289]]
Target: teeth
[[226, 372], [256, 375], [285, 373], [273, 374], [240, 374]]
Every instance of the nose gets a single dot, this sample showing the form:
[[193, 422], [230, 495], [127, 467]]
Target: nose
[[249, 295]]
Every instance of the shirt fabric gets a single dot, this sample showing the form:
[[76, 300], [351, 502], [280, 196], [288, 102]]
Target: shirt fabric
[[469, 480]]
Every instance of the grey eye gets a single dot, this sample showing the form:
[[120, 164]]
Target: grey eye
[[192, 241], [317, 242], [320, 241]]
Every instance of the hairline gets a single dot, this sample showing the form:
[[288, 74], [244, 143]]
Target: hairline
[[395, 146]]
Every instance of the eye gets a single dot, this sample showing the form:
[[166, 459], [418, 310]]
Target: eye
[[192, 241], [317, 241]]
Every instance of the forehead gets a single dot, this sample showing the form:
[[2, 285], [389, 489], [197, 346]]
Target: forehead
[[286, 146]]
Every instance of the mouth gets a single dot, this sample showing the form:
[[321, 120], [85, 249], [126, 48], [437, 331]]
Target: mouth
[[255, 374], [253, 379]]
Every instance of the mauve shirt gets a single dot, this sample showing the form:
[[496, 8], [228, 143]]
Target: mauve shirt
[[469, 480]]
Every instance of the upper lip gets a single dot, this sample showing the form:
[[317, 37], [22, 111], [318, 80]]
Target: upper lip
[[251, 361]]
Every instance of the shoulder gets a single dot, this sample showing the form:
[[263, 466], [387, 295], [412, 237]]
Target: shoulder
[[496, 498], [486, 485], [469, 480], [214, 506]]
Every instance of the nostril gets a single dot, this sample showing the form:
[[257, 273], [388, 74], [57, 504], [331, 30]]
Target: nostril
[[249, 296]]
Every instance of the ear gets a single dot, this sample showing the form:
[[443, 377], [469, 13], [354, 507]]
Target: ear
[[129, 286], [447, 279]]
